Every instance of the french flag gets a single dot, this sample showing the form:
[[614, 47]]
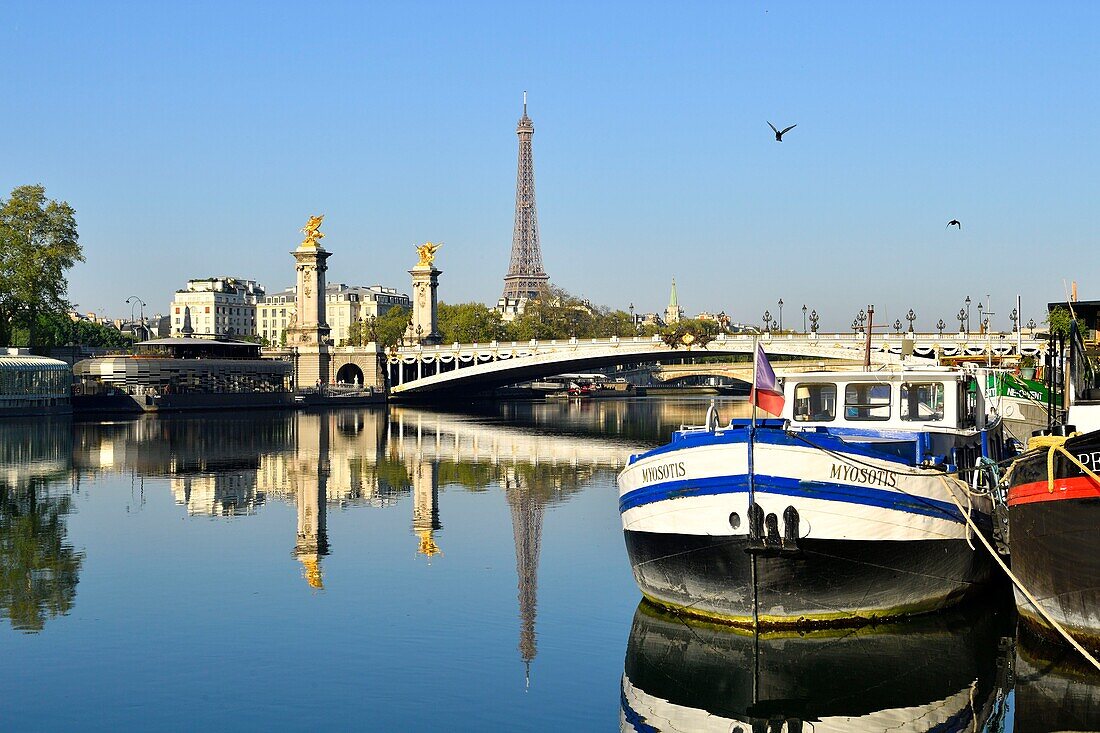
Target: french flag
[[765, 392]]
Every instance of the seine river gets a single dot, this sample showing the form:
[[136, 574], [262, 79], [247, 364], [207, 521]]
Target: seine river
[[404, 569]]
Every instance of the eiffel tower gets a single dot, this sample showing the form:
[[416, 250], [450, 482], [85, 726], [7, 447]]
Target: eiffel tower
[[525, 278], [527, 512]]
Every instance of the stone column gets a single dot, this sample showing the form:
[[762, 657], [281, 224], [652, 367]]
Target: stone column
[[423, 328], [308, 334], [309, 471]]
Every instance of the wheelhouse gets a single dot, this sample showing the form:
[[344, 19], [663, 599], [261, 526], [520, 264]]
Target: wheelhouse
[[882, 401]]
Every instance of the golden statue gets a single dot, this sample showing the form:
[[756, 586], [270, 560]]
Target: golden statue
[[312, 230], [427, 253]]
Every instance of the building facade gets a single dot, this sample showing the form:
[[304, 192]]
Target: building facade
[[344, 304], [220, 307]]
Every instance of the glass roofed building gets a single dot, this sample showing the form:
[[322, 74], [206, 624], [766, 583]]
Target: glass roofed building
[[33, 385]]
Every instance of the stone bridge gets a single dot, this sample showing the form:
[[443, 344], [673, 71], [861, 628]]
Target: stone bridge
[[423, 371]]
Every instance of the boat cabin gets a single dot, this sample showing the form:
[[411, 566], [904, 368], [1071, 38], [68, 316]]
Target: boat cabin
[[882, 401]]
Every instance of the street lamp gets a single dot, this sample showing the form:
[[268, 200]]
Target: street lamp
[[941, 325], [967, 301], [72, 331], [1015, 317], [134, 300], [767, 320], [1031, 324], [633, 323], [961, 317], [910, 316], [803, 318], [814, 320], [780, 314], [897, 325]]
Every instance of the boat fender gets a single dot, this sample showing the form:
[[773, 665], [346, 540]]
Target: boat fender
[[790, 530], [756, 524], [772, 524]]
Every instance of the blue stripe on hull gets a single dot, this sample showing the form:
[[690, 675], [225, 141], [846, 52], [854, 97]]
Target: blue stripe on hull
[[781, 485]]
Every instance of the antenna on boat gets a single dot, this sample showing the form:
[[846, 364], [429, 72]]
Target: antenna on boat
[[870, 328]]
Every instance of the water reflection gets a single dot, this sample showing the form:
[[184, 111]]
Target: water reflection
[[1056, 689], [39, 569], [943, 672], [439, 486]]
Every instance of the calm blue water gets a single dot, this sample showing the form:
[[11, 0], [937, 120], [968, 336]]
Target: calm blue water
[[405, 569]]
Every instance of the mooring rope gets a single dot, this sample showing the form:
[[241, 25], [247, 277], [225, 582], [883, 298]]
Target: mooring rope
[[944, 476], [1019, 584]]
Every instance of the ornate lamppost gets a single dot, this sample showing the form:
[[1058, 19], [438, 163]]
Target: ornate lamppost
[[780, 314], [767, 321], [814, 320], [134, 300], [897, 325], [1031, 324], [910, 316], [981, 323], [1015, 318], [803, 318], [941, 325], [962, 320], [967, 301]]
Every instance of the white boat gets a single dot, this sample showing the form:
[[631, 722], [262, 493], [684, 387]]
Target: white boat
[[843, 509]]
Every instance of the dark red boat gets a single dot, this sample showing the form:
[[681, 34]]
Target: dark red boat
[[1054, 533]]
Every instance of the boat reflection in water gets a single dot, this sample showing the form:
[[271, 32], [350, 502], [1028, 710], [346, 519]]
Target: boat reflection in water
[[1055, 690], [947, 672]]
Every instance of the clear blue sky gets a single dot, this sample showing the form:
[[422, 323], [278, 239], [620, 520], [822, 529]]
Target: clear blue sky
[[195, 139]]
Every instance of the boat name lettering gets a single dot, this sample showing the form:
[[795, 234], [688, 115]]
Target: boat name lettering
[[864, 475], [664, 471], [1090, 459]]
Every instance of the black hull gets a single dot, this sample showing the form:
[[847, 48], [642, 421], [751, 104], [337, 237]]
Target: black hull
[[943, 669], [825, 582], [1054, 538], [1056, 555]]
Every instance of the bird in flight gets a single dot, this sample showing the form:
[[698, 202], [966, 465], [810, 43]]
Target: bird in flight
[[780, 133], [955, 222]]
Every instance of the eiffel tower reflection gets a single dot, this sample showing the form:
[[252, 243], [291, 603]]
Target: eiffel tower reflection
[[527, 510]]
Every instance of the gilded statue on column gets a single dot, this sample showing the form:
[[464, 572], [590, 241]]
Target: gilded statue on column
[[427, 252], [312, 230]]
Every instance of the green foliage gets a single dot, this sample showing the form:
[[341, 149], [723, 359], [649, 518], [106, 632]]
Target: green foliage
[[469, 323], [390, 326], [59, 329], [1058, 321], [38, 244], [557, 314], [702, 332], [39, 570]]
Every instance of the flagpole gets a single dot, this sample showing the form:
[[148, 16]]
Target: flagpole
[[749, 515], [755, 366]]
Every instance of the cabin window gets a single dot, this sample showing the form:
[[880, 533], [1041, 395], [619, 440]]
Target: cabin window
[[815, 402], [867, 401], [922, 401]]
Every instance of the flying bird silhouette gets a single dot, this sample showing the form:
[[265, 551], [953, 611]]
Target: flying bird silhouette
[[780, 133], [955, 222]]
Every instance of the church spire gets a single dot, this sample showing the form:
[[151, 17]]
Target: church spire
[[674, 312]]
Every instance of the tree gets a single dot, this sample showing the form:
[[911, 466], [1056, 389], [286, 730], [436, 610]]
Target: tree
[[57, 329], [554, 314], [391, 325], [702, 332], [38, 244], [1059, 320], [469, 323]]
